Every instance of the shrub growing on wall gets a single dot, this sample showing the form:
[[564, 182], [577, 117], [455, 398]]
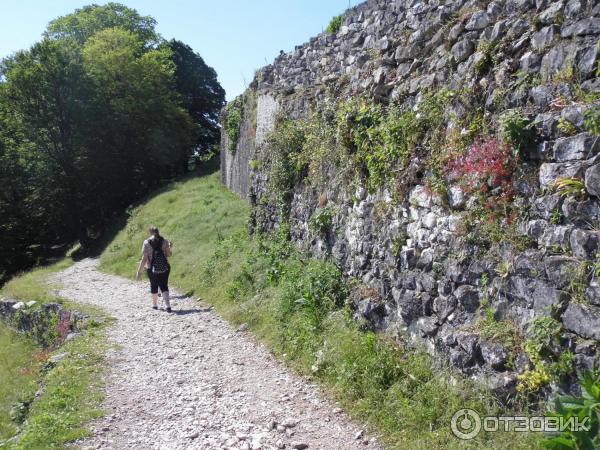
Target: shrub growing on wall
[[488, 163], [234, 114], [361, 139], [334, 25], [517, 130], [383, 140], [286, 143]]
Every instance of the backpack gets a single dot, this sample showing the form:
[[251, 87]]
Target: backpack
[[159, 263]]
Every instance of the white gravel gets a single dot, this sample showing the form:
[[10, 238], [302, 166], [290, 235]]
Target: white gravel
[[188, 380]]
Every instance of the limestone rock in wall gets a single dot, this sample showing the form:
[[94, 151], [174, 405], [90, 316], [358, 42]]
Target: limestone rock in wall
[[266, 112], [35, 319]]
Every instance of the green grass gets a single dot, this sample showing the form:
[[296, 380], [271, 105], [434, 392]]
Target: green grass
[[72, 393], [19, 369], [35, 285], [71, 389], [296, 305], [194, 214]]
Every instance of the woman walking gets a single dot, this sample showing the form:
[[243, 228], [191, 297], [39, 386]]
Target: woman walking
[[155, 253]]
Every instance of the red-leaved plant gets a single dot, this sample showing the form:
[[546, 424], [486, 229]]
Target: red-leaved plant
[[64, 326], [489, 163]]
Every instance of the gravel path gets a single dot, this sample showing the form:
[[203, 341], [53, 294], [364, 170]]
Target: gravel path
[[187, 380]]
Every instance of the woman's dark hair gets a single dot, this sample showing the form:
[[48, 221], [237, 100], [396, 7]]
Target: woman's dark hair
[[154, 231]]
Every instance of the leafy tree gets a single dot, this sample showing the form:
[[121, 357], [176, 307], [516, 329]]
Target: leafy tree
[[202, 94], [91, 118], [44, 88], [16, 230], [137, 113], [87, 21], [31, 215]]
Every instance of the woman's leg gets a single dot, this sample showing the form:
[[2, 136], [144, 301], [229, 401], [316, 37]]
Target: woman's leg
[[163, 283], [153, 288]]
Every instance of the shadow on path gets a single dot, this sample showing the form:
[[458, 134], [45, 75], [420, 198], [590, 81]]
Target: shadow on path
[[180, 297], [184, 312]]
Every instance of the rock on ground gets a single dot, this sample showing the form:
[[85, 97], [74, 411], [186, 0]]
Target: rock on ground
[[188, 380]]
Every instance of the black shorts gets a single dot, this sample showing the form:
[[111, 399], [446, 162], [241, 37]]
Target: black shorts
[[158, 280]]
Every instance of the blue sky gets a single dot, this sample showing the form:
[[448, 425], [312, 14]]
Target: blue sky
[[236, 37]]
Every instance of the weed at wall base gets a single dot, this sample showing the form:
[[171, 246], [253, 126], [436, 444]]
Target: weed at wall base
[[297, 306]]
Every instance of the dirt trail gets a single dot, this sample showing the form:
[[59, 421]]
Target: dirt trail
[[188, 380]]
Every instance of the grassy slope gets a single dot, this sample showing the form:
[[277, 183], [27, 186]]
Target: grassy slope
[[398, 393], [18, 372], [71, 389], [193, 214], [35, 285]]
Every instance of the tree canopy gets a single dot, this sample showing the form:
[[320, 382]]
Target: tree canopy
[[87, 21], [91, 118], [202, 94]]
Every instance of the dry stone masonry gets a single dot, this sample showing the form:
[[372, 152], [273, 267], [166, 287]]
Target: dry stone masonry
[[538, 57], [47, 323]]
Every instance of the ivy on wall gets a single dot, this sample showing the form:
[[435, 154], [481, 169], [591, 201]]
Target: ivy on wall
[[234, 115], [243, 108]]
